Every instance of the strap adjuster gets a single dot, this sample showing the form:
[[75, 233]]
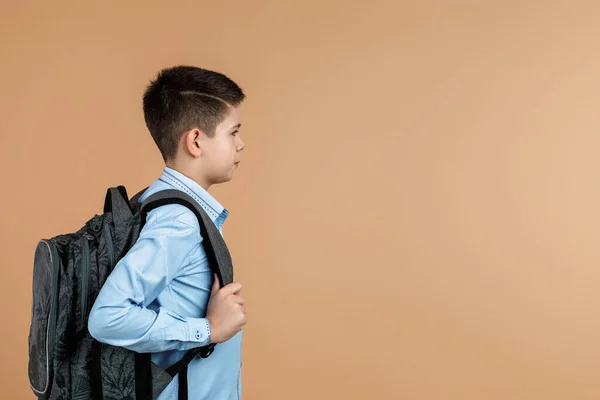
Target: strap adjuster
[[206, 351]]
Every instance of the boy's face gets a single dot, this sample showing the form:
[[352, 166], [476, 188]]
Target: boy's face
[[220, 154]]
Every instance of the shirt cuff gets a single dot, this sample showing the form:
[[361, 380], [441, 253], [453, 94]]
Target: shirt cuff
[[199, 331]]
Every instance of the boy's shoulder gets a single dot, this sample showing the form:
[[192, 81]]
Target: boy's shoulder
[[169, 213]]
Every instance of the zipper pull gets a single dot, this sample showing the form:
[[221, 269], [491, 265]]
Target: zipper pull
[[88, 236]]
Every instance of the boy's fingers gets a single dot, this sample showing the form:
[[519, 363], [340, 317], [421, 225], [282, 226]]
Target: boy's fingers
[[232, 288], [216, 285]]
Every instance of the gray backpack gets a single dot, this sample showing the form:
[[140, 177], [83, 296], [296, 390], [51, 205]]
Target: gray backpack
[[65, 362]]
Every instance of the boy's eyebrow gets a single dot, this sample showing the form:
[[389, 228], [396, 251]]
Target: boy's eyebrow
[[238, 126]]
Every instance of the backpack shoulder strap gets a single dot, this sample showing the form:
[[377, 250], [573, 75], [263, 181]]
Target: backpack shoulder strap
[[219, 260], [218, 255]]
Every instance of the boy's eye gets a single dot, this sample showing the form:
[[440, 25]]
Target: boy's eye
[[234, 133]]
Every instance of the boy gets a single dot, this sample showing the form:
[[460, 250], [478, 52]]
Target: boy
[[162, 297]]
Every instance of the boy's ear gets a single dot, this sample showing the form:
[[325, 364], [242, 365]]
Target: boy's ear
[[192, 142]]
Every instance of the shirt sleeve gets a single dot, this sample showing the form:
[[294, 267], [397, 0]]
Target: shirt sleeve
[[120, 315]]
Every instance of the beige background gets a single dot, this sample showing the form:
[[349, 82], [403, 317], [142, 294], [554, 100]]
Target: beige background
[[416, 213]]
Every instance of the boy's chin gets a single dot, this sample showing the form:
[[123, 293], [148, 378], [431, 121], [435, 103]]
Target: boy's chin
[[223, 179]]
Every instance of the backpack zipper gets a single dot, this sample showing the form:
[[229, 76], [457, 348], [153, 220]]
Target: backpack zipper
[[54, 308], [109, 245], [85, 276]]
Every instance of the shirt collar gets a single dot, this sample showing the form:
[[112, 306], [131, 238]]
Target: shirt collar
[[213, 208]]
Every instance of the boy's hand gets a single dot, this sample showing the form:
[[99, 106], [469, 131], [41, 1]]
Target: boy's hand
[[226, 311]]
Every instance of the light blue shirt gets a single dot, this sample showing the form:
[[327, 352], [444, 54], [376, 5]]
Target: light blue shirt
[[155, 299]]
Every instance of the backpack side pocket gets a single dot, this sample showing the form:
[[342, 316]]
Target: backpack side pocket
[[44, 308]]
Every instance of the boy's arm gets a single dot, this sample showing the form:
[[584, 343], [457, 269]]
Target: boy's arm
[[120, 316]]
